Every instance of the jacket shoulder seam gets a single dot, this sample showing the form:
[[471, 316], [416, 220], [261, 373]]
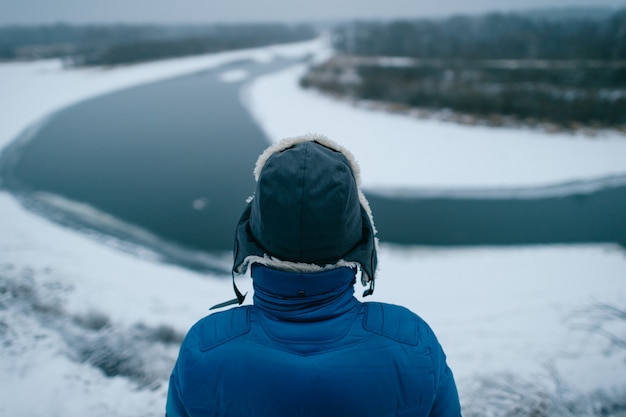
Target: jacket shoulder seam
[[219, 328], [393, 322]]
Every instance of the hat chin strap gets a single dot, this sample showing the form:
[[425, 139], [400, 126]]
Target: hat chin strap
[[370, 290], [239, 300]]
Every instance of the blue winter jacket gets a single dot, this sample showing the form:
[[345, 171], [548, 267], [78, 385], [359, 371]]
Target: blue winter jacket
[[308, 347]]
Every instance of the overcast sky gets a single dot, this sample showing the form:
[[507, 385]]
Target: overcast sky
[[197, 11]]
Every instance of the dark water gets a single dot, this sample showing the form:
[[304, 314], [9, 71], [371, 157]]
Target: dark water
[[591, 211], [176, 158]]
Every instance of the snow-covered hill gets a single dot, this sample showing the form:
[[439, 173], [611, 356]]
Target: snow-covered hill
[[90, 325]]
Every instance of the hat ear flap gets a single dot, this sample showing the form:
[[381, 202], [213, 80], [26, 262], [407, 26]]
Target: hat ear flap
[[245, 244], [369, 257]]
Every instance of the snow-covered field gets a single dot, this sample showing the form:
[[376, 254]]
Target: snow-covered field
[[399, 152], [75, 307]]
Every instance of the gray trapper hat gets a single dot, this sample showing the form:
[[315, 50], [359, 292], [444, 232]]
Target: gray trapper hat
[[308, 213]]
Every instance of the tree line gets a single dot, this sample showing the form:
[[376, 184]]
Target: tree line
[[491, 36], [118, 44], [495, 69]]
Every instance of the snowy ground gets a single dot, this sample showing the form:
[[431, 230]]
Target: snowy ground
[[396, 151], [75, 307]]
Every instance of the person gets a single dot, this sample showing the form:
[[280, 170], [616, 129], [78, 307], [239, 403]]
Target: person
[[307, 346]]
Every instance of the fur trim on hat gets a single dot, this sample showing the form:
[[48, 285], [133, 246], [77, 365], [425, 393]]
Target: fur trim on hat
[[299, 267], [311, 137]]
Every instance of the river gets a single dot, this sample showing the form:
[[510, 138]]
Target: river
[[174, 159]]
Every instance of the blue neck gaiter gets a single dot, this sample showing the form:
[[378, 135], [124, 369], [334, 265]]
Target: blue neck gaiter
[[296, 296]]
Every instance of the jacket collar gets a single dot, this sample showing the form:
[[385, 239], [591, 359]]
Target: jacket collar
[[296, 296]]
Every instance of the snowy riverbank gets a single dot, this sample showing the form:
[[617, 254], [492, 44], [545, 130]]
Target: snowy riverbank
[[75, 306], [399, 152]]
